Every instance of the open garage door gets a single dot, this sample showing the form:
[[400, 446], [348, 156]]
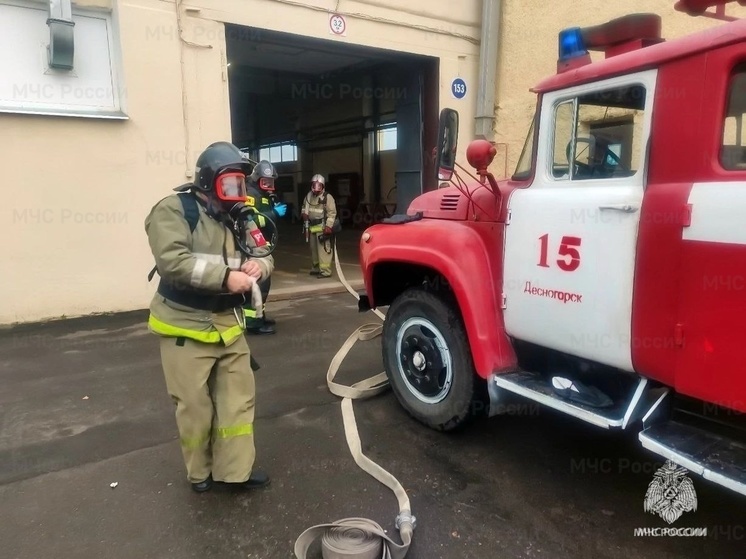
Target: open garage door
[[362, 117]]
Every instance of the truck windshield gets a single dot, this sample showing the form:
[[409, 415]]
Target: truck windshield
[[525, 163]]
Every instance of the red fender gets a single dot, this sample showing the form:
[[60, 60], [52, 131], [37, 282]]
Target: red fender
[[460, 251]]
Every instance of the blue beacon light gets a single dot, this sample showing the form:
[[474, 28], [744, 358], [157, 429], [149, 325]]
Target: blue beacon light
[[571, 44]]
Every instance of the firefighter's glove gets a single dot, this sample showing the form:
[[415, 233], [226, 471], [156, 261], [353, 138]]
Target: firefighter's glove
[[327, 231], [281, 209]]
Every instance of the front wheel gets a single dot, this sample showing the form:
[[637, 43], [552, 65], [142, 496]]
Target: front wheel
[[428, 361]]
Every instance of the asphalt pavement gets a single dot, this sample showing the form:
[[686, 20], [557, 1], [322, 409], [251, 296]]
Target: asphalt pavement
[[84, 406]]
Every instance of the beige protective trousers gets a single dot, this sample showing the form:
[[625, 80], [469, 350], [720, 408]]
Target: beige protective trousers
[[214, 391], [321, 260]]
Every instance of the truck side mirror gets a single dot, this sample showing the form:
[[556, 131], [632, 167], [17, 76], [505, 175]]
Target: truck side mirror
[[447, 142]]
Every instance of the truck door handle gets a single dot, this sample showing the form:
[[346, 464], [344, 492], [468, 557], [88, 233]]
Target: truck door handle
[[619, 208]]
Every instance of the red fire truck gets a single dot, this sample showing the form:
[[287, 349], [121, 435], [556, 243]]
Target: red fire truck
[[606, 278]]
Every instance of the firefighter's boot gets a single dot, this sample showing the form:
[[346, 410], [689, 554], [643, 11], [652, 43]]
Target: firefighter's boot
[[268, 321], [258, 326]]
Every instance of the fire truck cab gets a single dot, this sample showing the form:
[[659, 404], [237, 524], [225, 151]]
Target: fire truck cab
[[606, 278]]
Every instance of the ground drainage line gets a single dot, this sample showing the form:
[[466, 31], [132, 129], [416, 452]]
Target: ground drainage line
[[359, 538]]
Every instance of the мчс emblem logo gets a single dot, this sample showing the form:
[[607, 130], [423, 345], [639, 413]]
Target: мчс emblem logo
[[671, 493]]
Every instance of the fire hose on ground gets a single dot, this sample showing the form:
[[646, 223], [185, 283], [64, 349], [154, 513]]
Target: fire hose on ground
[[359, 538]]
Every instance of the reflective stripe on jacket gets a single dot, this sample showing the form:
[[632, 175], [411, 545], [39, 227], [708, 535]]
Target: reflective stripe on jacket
[[260, 201], [315, 209], [197, 262]]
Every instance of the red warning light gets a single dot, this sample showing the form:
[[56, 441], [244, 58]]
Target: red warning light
[[480, 154]]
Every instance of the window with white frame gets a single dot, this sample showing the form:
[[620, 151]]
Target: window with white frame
[[279, 153], [92, 88], [600, 133]]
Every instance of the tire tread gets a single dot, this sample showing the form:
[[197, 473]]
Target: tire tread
[[445, 315]]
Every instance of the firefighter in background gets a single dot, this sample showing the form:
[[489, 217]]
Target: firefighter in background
[[319, 216], [197, 312], [261, 196]]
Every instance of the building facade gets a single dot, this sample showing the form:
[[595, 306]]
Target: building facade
[[153, 82]]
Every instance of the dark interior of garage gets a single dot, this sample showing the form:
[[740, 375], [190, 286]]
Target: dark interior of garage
[[364, 118]]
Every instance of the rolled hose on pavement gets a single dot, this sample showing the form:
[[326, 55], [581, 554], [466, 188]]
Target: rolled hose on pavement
[[359, 538]]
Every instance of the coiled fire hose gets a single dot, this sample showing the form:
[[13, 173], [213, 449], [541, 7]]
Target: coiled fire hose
[[359, 538]]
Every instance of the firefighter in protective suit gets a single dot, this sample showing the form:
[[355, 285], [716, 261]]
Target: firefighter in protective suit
[[261, 197], [197, 312], [319, 214]]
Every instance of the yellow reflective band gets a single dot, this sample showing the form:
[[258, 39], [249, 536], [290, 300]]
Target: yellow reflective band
[[195, 442], [167, 330], [316, 228], [262, 221], [265, 201], [235, 431], [232, 333], [249, 313], [250, 201]]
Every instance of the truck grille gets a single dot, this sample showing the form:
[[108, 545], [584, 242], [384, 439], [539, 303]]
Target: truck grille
[[449, 202]]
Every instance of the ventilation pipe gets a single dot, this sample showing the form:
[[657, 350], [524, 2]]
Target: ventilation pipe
[[61, 49], [489, 49]]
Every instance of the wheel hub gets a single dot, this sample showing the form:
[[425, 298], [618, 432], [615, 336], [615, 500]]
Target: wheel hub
[[424, 360], [418, 360]]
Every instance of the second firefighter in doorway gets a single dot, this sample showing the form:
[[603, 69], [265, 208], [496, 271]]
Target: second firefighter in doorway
[[320, 221], [260, 189]]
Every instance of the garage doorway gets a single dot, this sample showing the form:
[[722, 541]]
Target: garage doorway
[[364, 118]]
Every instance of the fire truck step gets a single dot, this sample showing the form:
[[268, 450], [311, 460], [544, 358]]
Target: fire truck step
[[539, 389], [715, 457]]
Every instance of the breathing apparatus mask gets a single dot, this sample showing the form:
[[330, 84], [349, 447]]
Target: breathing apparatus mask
[[317, 184], [229, 195], [220, 184], [264, 175], [230, 189], [267, 184]]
